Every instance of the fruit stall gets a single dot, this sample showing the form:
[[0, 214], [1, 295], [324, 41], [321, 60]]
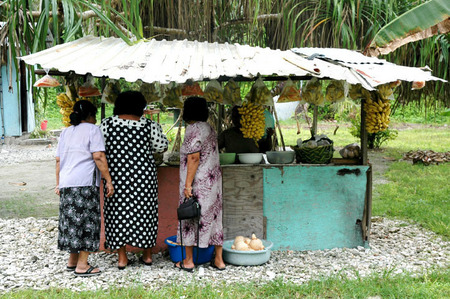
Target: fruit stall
[[309, 200]]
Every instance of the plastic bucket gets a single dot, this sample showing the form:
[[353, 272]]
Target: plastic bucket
[[204, 254]]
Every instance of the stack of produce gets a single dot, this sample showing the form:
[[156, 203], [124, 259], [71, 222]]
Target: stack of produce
[[213, 92], [312, 92], [232, 93], [173, 97], [335, 91], [246, 244], [66, 105], [191, 89], [290, 93], [149, 91], [259, 94], [252, 121], [427, 157], [378, 109]]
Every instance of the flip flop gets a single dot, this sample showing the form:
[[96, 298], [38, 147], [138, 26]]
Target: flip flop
[[212, 263], [181, 267], [88, 272], [70, 268], [141, 259]]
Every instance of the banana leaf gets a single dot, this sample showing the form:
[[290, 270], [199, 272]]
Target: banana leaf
[[428, 19]]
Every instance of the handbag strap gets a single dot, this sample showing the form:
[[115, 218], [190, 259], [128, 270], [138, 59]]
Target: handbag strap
[[198, 242]]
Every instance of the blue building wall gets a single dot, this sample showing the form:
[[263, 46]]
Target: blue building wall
[[12, 124]]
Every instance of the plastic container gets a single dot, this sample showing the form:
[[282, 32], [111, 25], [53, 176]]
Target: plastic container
[[286, 157], [227, 158], [250, 158], [246, 258], [204, 254]]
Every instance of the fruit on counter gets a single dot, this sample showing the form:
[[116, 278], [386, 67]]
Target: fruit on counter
[[213, 92], [232, 93], [252, 121], [350, 151], [335, 91], [259, 94], [312, 92]]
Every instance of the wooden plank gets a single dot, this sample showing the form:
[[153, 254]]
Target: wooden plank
[[242, 201], [366, 223], [310, 208], [363, 134]]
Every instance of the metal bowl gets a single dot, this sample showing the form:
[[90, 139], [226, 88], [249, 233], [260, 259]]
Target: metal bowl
[[286, 157], [250, 158], [246, 258]]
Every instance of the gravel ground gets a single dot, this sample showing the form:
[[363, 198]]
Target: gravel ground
[[29, 257]]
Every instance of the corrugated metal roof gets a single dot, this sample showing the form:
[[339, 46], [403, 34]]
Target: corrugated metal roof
[[177, 61], [373, 70]]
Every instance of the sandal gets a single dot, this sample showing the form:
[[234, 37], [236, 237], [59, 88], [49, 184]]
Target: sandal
[[88, 272], [212, 263], [123, 267], [181, 267], [141, 259]]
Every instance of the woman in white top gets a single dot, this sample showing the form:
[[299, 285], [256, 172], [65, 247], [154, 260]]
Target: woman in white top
[[80, 158]]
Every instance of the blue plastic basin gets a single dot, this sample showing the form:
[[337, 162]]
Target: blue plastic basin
[[204, 254]]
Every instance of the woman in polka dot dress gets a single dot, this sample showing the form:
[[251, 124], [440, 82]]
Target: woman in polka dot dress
[[131, 214]]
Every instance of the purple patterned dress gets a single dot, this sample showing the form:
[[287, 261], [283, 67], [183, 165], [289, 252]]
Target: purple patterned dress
[[207, 186]]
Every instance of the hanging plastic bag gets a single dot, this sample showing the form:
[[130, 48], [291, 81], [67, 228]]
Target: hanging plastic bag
[[111, 91], [149, 92], [335, 91], [47, 81], [312, 92], [418, 85], [259, 94], [88, 89], [213, 92], [290, 93], [191, 89], [232, 93], [172, 97]]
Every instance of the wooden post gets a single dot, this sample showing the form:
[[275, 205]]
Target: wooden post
[[363, 134], [314, 126], [23, 94], [279, 128], [103, 109]]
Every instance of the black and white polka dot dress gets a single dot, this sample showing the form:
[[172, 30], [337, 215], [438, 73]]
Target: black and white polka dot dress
[[131, 214]]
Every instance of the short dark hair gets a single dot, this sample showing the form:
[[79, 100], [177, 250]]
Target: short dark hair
[[130, 102], [195, 109], [82, 110]]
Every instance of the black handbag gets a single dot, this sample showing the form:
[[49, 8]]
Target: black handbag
[[189, 209]]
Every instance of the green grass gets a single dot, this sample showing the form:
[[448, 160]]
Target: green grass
[[434, 284], [416, 192], [25, 205]]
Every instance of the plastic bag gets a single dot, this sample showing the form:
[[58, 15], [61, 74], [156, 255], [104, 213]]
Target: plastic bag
[[88, 89], [418, 85], [232, 93], [191, 89], [47, 81], [290, 93], [312, 92], [335, 91], [172, 97], [259, 94], [213, 92], [149, 92], [111, 91]]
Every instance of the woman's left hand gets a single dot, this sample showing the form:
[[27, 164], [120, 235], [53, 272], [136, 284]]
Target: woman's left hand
[[57, 190]]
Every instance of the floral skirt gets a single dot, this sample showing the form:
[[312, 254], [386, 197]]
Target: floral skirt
[[79, 219]]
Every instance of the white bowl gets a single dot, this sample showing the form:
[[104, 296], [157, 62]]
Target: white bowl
[[250, 158]]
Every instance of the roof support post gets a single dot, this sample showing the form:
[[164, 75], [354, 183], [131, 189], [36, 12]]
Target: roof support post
[[363, 134]]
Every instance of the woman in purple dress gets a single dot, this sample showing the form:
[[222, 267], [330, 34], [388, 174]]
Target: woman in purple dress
[[200, 175]]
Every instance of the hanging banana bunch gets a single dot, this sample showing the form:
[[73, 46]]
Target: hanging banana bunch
[[378, 109], [252, 121]]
